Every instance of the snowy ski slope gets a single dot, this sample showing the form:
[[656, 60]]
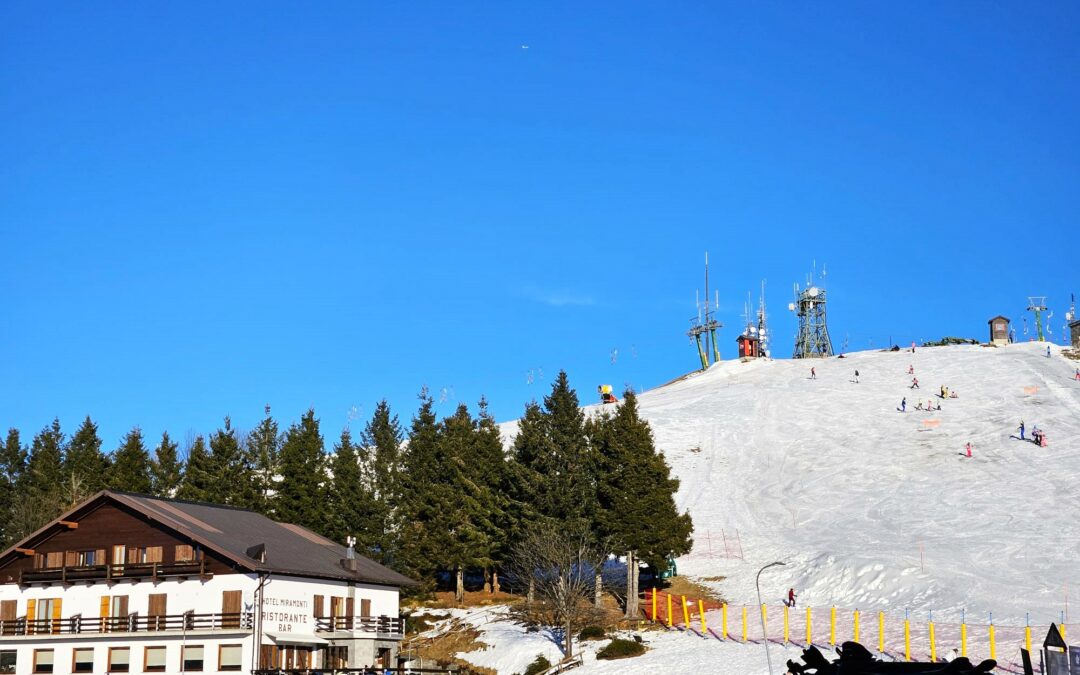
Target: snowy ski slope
[[874, 509]]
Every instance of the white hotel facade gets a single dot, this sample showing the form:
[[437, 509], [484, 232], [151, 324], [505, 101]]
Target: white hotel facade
[[127, 583]]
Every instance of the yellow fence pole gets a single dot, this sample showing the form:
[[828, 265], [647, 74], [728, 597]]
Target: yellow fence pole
[[670, 612], [1027, 638], [764, 623], [723, 620], [832, 626], [744, 623], [881, 632], [685, 613], [933, 644], [809, 638], [786, 634], [907, 639], [654, 594], [963, 639], [701, 613], [993, 645], [857, 626]]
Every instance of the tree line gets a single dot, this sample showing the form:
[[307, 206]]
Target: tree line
[[438, 497]]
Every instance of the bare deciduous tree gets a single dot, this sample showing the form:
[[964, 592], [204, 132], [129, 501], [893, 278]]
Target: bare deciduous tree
[[560, 567]]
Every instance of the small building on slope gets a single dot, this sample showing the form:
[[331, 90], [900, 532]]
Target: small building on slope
[[131, 583]]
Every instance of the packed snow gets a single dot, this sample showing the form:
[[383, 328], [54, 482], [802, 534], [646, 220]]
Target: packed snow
[[872, 508]]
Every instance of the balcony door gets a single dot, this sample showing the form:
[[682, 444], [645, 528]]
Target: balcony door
[[230, 609], [155, 612]]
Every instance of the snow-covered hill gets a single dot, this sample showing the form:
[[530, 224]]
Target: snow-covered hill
[[877, 509]]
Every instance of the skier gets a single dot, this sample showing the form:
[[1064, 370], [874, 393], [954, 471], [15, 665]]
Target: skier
[[914, 383], [969, 449], [1047, 351], [903, 405], [1078, 374], [856, 376], [791, 598], [911, 370], [942, 391], [813, 373], [1022, 430]]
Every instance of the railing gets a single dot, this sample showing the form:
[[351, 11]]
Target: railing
[[381, 625], [370, 670], [133, 623], [156, 570]]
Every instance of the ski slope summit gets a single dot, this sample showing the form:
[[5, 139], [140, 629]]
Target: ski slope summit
[[876, 509]]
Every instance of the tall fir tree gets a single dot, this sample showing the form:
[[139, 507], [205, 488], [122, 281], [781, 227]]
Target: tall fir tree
[[573, 490], [636, 509], [423, 500], [197, 480], [380, 453], [12, 469], [300, 497], [166, 469], [495, 471], [263, 445], [230, 469], [349, 497], [85, 461], [131, 465], [45, 469]]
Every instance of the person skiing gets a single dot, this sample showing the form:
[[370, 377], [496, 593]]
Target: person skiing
[[914, 383], [968, 449], [911, 370], [1047, 351], [856, 376], [791, 598], [1022, 430], [903, 405], [1078, 375], [813, 373]]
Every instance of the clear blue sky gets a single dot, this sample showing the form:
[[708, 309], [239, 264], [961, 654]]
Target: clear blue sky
[[208, 207]]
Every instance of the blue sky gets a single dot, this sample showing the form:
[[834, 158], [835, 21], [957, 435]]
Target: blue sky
[[207, 208]]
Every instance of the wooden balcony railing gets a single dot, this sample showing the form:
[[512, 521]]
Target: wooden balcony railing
[[133, 623], [126, 571], [383, 626]]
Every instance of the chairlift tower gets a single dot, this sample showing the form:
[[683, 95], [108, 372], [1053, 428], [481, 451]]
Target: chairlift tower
[[704, 326], [812, 340], [1037, 304]]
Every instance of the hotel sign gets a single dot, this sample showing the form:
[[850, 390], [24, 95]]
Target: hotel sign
[[287, 615]]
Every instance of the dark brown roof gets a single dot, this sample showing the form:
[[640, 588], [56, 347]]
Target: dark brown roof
[[999, 317], [231, 532]]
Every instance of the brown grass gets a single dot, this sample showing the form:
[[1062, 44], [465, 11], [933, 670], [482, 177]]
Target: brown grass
[[447, 646], [692, 589]]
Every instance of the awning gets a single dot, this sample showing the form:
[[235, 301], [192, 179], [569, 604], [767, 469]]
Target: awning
[[295, 639]]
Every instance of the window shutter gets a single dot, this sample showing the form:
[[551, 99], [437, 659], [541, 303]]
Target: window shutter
[[71, 559], [99, 557], [54, 559], [133, 555], [31, 615], [56, 614], [184, 553], [105, 604], [318, 605], [122, 606], [365, 607], [153, 554]]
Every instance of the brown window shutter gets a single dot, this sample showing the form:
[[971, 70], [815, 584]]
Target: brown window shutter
[[365, 607], [133, 555], [350, 612], [230, 609], [154, 554], [335, 606], [184, 553], [54, 559], [8, 609], [71, 558], [123, 600], [39, 561], [57, 612], [99, 557], [318, 605]]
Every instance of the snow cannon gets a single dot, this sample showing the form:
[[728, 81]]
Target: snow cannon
[[606, 394]]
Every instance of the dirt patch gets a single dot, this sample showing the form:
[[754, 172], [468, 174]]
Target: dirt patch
[[445, 648], [691, 589], [445, 600]]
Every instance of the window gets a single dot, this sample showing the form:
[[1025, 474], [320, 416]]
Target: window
[[82, 660], [7, 660], [336, 657], [184, 553], [54, 559], [192, 658], [118, 555], [43, 660], [154, 660], [119, 659], [229, 657]]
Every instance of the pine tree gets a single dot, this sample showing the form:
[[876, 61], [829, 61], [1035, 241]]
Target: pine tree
[[495, 471], [300, 494], [45, 469], [166, 469], [636, 494], [422, 499], [572, 486], [380, 455], [196, 482], [230, 469], [263, 445], [131, 465], [85, 461], [12, 469], [348, 496]]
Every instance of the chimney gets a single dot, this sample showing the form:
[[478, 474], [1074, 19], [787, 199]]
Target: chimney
[[257, 552], [350, 553]]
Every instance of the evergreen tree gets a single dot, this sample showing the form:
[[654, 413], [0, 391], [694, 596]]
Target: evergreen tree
[[45, 470], [300, 494], [497, 474], [131, 465], [263, 445], [230, 469], [572, 491], [380, 455], [85, 461], [166, 469], [12, 468], [349, 498], [423, 501], [636, 494], [196, 482]]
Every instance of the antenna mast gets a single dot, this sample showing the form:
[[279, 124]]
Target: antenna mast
[[1037, 304], [812, 340], [705, 325]]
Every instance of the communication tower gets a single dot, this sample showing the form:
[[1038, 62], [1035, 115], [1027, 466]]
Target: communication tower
[[1037, 304], [704, 326], [812, 340], [759, 330]]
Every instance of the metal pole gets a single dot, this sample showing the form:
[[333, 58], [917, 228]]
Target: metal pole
[[708, 343], [764, 634]]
